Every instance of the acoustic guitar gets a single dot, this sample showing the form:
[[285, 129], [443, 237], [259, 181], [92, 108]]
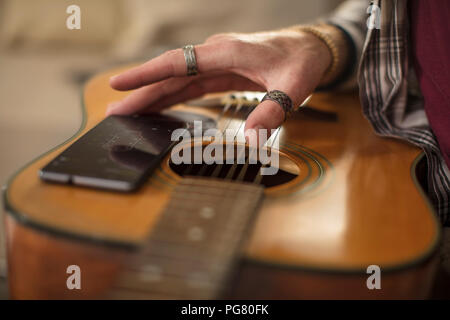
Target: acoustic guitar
[[342, 200]]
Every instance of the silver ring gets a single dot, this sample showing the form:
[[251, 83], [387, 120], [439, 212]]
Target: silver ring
[[282, 99], [191, 61]]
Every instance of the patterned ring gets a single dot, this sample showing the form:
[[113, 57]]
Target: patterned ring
[[282, 99], [191, 61]]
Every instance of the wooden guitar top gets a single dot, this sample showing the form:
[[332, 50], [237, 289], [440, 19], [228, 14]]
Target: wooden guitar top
[[355, 201]]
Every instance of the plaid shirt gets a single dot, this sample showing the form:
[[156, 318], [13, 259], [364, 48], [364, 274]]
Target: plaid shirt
[[388, 89]]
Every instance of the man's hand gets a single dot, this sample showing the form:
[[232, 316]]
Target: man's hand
[[291, 61]]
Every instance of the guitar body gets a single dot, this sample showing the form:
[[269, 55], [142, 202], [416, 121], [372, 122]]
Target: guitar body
[[355, 202]]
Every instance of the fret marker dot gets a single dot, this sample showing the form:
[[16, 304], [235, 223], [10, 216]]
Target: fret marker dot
[[197, 280], [150, 273], [207, 212], [196, 234]]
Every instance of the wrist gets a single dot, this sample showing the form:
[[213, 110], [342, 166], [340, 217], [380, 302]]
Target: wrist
[[335, 43], [320, 53]]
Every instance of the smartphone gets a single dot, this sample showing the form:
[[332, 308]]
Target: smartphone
[[118, 154]]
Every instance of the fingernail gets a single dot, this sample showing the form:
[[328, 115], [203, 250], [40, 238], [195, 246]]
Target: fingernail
[[112, 106], [251, 138], [113, 78]]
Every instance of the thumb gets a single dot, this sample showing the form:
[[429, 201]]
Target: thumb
[[267, 115]]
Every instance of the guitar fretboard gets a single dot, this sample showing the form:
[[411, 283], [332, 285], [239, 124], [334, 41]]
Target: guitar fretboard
[[191, 252]]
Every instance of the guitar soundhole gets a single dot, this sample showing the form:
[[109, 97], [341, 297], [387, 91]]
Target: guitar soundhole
[[245, 170]]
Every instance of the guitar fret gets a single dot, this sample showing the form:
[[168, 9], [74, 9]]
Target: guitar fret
[[185, 252], [193, 247], [196, 234]]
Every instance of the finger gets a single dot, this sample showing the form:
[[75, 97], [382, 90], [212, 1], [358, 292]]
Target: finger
[[210, 57], [145, 96], [208, 85], [267, 115], [151, 100]]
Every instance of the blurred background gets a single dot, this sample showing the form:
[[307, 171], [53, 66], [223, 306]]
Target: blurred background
[[43, 64]]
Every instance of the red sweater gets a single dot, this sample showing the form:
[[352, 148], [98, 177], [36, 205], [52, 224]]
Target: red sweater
[[430, 41]]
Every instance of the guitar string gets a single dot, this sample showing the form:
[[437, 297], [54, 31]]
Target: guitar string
[[219, 167], [258, 177], [244, 168], [236, 112], [219, 117], [232, 169]]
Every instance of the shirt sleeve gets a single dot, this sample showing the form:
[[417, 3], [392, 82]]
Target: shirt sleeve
[[350, 17]]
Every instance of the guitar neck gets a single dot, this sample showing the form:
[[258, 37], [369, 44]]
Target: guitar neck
[[192, 251]]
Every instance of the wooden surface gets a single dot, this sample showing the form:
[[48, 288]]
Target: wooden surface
[[357, 206]]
